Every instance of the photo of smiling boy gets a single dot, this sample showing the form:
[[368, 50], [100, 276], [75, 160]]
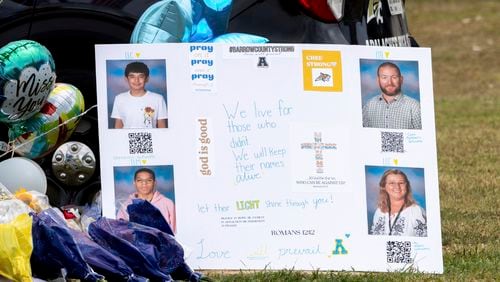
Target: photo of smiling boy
[[138, 103]]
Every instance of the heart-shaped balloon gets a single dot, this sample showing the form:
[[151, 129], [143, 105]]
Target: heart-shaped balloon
[[27, 75], [65, 101]]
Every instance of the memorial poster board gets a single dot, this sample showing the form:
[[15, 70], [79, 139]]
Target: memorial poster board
[[273, 154]]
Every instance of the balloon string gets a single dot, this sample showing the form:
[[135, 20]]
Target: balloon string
[[12, 147]]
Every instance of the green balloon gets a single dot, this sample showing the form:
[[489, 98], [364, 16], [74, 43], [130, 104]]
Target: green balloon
[[27, 75], [50, 127]]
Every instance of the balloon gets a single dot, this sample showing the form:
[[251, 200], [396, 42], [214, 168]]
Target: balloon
[[239, 38], [20, 172], [188, 21], [164, 21], [64, 102], [27, 75], [210, 19]]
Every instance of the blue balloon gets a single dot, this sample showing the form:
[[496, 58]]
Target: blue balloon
[[217, 5], [210, 19], [239, 38], [188, 21], [165, 21]]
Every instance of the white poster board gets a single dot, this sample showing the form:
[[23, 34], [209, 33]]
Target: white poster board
[[266, 157]]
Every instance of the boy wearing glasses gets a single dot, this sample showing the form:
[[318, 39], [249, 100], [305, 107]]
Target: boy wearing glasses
[[391, 109], [145, 184]]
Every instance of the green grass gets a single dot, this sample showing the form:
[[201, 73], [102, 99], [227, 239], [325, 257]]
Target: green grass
[[465, 38], [292, 275]]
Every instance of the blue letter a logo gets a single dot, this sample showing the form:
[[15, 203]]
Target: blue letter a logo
[[339, 248]]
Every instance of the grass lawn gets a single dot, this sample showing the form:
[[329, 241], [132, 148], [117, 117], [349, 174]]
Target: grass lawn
[[465, 39]]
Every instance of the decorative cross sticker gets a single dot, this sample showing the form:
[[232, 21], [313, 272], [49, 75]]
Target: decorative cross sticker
[[318, 147]]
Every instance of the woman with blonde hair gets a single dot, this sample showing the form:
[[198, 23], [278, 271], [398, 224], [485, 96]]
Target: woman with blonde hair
[[397, 211]]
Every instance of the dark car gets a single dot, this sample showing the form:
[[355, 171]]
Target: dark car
[[70, 28]]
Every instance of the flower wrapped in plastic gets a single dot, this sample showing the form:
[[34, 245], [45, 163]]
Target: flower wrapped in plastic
[[55, 248], [143, 212], [16, 247], [103, 261], [148, 251]]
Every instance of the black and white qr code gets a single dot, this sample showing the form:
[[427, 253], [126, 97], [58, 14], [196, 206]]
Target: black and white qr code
[[399, 252], [392, 142], [140, 143]]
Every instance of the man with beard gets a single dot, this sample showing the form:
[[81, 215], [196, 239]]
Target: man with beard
[[391, 109]]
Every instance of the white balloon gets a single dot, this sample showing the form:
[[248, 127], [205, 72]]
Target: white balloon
[[20, 172]]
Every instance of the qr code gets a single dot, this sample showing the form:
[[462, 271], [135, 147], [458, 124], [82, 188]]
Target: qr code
[[392, 142], [140, 143], [399, 252]]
